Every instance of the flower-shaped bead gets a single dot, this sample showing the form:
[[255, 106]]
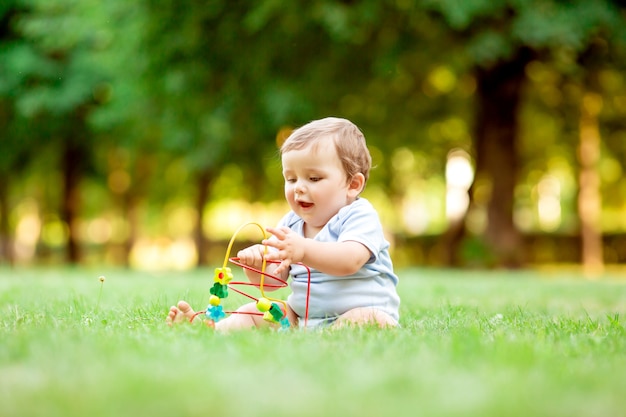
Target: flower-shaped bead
[[215, 313]]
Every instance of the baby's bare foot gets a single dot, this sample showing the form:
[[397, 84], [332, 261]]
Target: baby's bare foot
[[180, 313]]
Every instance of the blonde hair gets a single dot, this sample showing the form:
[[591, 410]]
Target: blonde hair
[[348, 139]]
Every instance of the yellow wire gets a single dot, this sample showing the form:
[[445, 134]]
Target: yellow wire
[[232, 241], [263, 266]]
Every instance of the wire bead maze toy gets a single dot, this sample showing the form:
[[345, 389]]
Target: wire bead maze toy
[[273, 310]]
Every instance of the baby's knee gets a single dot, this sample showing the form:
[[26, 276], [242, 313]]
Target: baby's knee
[[366, 316]]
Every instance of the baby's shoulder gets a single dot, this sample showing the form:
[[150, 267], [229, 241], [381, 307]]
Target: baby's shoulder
[[290, 220], [358, 208]]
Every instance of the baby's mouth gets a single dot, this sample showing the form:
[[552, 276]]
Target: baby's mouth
[[304, 204]]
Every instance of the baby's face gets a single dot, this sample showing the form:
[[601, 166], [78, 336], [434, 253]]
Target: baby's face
[[316, 185]]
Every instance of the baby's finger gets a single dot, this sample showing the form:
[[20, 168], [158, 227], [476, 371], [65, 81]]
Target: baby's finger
[[248, 256], [271, 243], [283, 266], [272, 256], [278, 232]]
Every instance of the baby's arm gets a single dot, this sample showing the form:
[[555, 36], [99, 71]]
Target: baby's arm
[[332, 258], [253, 257]]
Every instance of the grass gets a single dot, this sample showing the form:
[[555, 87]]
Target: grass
[[471, 344]]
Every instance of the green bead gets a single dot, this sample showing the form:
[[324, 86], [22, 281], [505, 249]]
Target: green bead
[[219, 290]]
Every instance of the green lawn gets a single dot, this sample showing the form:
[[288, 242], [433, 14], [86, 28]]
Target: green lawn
[[471, 343]]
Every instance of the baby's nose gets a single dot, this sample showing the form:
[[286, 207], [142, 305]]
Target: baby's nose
[[300, 187]]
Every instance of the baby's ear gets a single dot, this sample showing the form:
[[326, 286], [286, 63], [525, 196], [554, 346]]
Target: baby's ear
[[356, 184]]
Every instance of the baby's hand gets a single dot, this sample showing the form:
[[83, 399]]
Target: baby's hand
[[290, 247], [252, 256]]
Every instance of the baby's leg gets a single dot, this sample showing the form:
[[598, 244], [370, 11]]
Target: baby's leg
[[365, 316], [180, 313], [242, 319], [246, 317]]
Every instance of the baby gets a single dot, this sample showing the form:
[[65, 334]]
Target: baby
[[331, 229]]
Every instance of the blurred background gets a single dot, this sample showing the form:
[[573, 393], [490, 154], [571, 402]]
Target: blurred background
[[143, 133]]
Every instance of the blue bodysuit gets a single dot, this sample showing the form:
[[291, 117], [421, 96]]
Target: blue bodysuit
[[374, 285]]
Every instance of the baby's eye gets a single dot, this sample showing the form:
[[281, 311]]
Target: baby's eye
[[314, 179], [290, 180]]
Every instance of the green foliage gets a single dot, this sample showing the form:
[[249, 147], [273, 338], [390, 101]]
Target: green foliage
[[566, 24], [495, 29], [461, 14], [59, 70], [162, 94]]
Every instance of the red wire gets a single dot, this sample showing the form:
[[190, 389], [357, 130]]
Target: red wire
[[308, 295], [243, 293], [283, 284], [197, 313], [235, 260], [251, 313], [258, 271]]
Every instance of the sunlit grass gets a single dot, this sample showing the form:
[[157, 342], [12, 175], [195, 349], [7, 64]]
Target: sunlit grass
[[479, 344]]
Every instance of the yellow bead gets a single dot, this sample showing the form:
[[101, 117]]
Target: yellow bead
[[223, 275], [267, 316], [263, 304], [214, 300]]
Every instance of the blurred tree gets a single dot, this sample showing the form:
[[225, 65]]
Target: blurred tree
[[225, 78], [126, 118], [499, 39], [197, 78], [595, 60], [156, 100], [231, 75], [16, 138], [59, 83]]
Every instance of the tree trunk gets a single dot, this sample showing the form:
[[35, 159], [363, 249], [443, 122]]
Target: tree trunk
[[142, 171], [73, 158], [589, 197], [592, 60], [450, 243], [6, 250], [498, 96], [131, 208], [204, 180]]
